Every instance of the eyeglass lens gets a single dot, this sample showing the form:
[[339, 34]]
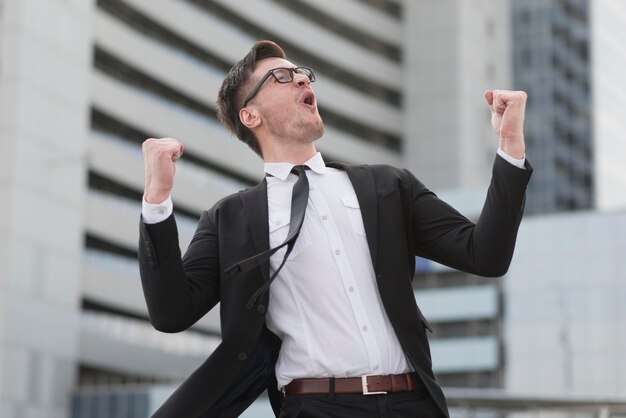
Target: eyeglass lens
[[285, 75]]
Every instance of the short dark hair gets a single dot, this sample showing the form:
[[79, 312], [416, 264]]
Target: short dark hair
[[230, 97]]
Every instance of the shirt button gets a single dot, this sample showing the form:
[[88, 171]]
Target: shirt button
[[325, 217], [337, 252], [364, 328], [351, 289], [375, 367], [242, 356], [277, 223], [161, 211]]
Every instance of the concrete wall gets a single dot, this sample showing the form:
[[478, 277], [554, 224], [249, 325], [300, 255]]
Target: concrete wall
[[565, 324], [454, 51], [44, 85]]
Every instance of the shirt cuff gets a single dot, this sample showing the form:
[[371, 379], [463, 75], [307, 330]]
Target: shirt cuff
[[517, 162], [153, 213]]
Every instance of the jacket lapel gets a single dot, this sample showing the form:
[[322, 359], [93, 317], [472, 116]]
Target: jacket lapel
[[254, 201], [365, 188]]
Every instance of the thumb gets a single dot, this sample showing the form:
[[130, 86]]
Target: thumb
[[489, 98], [178, 153]]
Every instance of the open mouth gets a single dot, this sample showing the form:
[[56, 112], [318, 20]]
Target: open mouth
[[309, 99]]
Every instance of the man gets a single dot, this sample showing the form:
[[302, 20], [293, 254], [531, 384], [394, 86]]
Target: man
[[334, 302]]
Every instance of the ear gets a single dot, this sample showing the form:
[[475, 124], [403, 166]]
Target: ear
[[250, 117]]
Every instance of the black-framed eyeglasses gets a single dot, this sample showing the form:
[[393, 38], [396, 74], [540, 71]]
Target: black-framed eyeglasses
[[282, 75]]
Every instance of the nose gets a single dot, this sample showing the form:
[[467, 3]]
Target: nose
[[301, 79]]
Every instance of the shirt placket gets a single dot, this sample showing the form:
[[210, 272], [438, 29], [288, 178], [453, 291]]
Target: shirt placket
[[346, 274]]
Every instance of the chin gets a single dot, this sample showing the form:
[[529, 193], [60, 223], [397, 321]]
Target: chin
[[309, 132], [317, 132]]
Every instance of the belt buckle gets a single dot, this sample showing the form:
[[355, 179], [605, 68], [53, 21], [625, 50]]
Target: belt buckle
[[365, 388]]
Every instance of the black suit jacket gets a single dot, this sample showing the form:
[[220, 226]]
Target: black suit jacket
[[402, 219]]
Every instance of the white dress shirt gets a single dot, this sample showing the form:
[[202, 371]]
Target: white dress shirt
[[324, 305]]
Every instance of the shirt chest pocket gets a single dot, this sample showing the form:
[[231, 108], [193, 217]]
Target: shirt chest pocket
[[279, 228], [353, 209]]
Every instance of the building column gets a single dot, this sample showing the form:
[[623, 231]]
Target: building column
[[453, 51], [45, 58]]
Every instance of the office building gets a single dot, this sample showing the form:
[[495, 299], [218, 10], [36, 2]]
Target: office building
[[455, 51], [567, 55], [83, 83]]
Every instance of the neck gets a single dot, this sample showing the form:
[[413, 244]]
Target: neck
[[296, 154]]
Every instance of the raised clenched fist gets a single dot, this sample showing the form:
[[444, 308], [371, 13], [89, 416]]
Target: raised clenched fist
[[507, 119], [160, 156]]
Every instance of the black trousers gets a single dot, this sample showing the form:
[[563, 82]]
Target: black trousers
[[393, 405]]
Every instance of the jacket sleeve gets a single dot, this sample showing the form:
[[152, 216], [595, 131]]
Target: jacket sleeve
[[179, 292], [442, 234]]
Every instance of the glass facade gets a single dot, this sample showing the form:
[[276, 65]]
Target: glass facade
[[126, 403], [551, 62]]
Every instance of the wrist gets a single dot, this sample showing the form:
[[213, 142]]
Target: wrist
[[513, 148], [156, 196]]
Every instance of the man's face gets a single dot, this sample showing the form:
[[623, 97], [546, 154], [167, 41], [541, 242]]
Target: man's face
[[289, 109]]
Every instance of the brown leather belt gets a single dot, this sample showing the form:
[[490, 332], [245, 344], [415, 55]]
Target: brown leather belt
[[367, 385]]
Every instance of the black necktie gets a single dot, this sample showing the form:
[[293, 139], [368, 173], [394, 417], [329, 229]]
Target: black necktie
[[299, 199]]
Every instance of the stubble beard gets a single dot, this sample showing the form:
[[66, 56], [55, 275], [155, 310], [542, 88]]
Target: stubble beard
[[301, 132], [314, 133]]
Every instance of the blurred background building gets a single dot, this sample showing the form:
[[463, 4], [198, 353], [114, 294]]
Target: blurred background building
[[552, 62], [568, 56], [565, 323], [84, 82]]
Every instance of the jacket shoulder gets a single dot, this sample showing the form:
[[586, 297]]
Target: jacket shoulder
[[386, 174], [233, 203], [383, 170], [235, 198], [387, 170]]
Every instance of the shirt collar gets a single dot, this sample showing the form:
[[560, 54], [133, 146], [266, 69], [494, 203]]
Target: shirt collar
[[281, 170]]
